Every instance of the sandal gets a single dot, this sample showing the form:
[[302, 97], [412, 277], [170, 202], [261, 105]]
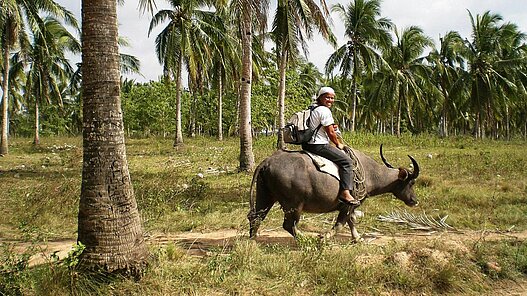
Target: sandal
[[353, 202]]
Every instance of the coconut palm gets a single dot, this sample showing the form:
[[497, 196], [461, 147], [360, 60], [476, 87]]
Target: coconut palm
[[224, 64], [293, 25], [47, 65], [187, 39], [109, 221], [367, 33], [15, 16], [249, 14], [447, 63], [400, 84], [495, 54]]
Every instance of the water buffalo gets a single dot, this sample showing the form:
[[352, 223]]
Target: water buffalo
[[291, 179]]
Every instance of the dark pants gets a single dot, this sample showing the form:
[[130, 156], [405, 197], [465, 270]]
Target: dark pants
[[339, 158]]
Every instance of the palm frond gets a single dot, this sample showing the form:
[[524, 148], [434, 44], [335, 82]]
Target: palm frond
[[417, 222]]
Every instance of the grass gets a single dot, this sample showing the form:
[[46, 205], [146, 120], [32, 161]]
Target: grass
[[480, 185]]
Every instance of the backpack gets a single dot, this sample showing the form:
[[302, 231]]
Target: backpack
[[297, 130]]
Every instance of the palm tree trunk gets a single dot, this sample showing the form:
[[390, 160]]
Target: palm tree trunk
[[4, 147], [507, 123], [246, 141], [36, 141], [409, 114], [192, 114], [236, 130], [109, 221], [399, 106], [281, 99], [444, 125], [179, 133], [354, 91], [220, 105]]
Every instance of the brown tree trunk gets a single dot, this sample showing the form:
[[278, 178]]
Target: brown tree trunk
[[4, 147], [246, 140], [109, 221], [36, 141], [354, 92], [220, 105], [399, 106], [178, 140], [281, 99], [444, 123]]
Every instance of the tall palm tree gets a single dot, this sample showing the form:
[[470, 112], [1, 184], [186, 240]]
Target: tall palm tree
[[185, 40], [447, 62], [244, 12], [13, 19], [293, 25], [400, 84], [247, 12], [493, 58], [109, 221], [367, 33], [48, 65], [224, 64]]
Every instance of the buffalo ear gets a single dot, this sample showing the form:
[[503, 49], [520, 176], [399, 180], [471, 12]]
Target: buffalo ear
[[403, 174]]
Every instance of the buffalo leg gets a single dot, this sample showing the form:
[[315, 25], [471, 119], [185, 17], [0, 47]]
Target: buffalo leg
[[351, 223], [341, 219], [256, 216], [291, 218]]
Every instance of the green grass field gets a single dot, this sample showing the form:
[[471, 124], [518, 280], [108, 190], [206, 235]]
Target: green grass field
[[478, 185]]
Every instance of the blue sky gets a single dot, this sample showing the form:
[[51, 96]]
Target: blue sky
[[435, 17]]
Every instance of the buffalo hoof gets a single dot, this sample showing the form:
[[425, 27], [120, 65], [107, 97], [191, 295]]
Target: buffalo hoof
[[357, 240]]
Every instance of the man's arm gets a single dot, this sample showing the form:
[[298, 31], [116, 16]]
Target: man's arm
[[332, 134]]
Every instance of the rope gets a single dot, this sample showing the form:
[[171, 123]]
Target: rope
[[359, 188]]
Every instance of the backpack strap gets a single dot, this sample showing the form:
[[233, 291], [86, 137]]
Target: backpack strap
[[311, 108]]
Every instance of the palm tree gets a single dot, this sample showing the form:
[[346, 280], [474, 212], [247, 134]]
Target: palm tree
[[494, 56], [109, 221], [447, 62], [293, 25], [401, 83], [13, 19], [225, 62], [310, 77], [48, 66], [366, 33], [247, 12], [185, 40], [244, 12]]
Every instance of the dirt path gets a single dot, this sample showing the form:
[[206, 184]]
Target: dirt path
[[201, 244]]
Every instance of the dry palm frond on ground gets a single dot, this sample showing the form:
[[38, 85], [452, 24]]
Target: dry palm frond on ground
[[417, 222]]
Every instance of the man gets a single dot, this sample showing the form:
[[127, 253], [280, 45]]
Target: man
[[325, 134]]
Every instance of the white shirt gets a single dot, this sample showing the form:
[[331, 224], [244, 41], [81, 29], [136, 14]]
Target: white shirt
[[321, 115]]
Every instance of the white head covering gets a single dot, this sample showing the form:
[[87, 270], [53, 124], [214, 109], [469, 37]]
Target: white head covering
[[325, 90]]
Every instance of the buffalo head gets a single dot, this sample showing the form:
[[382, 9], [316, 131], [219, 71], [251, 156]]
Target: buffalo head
[[402, 188]]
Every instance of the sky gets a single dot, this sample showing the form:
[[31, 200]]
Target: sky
[[435, 17]]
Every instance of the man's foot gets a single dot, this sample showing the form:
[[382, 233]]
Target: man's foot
[[352, 202], [346, 198]]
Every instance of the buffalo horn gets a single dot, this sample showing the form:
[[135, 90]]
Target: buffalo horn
[[386, 163], [415, 173]]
